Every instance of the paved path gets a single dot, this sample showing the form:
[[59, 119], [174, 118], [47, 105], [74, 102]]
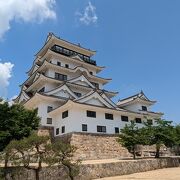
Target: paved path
[[160, 174], [102, 161]]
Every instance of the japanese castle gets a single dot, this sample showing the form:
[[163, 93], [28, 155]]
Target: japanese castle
[[63, 84]]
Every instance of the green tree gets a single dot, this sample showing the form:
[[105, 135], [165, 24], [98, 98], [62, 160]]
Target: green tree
[[33, 151], [161, 133], [16, 122], [177, 139], [130, 137], [62, 154], [30, 152]]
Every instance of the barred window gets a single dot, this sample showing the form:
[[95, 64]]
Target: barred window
[[84, 127], [124, 118], [91, 114], [101, 129], [109, 116], [49, 121]]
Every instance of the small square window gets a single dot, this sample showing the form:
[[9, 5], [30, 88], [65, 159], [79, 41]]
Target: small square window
[[124, 118], [58, 63], [144, 108], [116, 130], [57, 131], [64, 114], [101, 129], [91, 114], [91, 72], [63, 129], [49, 109], [84, 127], [138, 120], [109, 116], [66, 65], [49, 121]]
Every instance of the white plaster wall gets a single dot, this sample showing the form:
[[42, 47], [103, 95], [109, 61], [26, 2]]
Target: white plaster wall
[[42, 111], [48, 86], [137, 107], [77, 117], [63, 62], [51, 73], [72, 65]]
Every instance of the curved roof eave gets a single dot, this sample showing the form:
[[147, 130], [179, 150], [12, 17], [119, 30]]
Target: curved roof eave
[[51, 37]]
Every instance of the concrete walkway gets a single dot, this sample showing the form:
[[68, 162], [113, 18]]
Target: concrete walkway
[[160, 174]]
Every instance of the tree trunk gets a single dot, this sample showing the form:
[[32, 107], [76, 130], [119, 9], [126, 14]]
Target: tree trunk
[[37, 173], [6, 167], [157, 150], [134, 152], [69, 170]]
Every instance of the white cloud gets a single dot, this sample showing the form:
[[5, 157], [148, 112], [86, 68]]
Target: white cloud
[[24, 10], [5, 75], [89, 15]]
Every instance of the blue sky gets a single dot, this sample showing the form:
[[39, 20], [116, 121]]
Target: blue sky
[[138, 41]]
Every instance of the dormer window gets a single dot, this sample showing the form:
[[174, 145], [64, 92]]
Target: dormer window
[[78, 94], [144, 108], [42, 89], [95, 84]]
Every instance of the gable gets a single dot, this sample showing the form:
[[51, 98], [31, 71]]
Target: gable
[[76, 57], [23, 97], [94, 99], [62, 91], [109, 100], [82, 81], [143, 97]]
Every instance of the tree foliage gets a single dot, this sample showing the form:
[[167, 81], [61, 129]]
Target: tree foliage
[[177, 140], [130, 137], [15, 123], [63, 155], [35, 151], [27, 151], [162, 133]]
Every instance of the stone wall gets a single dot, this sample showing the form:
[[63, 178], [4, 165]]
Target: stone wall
[[95, 146], [105, 146], [93, 171]]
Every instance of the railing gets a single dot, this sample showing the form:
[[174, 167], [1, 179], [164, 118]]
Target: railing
[[67, 52]]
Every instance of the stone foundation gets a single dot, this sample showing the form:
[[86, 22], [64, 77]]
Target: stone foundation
[[100, 170], [95, 146], [104, 146]]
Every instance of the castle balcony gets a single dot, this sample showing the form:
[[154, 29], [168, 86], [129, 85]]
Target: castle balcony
[[69, 53]]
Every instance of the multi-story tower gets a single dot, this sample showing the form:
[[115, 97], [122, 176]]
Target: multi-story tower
[[63, 84]]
